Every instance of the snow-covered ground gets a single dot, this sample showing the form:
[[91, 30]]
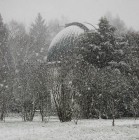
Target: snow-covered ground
[[15, 129]]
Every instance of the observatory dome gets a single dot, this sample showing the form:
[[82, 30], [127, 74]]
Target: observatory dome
[[65, 41]]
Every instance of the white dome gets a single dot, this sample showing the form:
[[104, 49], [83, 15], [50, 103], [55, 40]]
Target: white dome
[[65, 40]]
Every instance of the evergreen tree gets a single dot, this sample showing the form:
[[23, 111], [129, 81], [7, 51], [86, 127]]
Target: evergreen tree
[[40, 40], [6, 70], [102, 47]]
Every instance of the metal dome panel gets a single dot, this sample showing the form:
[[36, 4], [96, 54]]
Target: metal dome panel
[[65, 41]]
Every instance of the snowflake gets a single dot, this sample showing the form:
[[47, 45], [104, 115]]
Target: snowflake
[[16, 71], [45, 58], [42, 49], [1, 85]]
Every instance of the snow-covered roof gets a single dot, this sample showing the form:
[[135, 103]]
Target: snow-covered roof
[[65, 40]]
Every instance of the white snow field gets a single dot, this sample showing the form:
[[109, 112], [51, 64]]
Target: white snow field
[[15, 129]]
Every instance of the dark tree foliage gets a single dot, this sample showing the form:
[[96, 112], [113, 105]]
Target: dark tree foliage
[[99, 79], [40, 40], [6, 71], [102, 47], [29, 51], [114, 95]]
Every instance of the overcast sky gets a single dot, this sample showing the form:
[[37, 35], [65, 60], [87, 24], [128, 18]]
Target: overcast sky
[[75, 10]]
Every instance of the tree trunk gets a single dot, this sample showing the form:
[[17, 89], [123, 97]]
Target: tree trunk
[[135, 114], [28, 114], [65, 110], [23, 114], [62, 103], [2, 116], [42, 114], [99, 114], [64, 116], [113, 113], [113, 120]]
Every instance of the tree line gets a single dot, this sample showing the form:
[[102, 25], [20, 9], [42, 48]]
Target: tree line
[[102, 79], [98, 79], [23, 84]]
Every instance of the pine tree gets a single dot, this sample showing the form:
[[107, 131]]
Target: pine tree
[[103, 47], [39, 40]]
